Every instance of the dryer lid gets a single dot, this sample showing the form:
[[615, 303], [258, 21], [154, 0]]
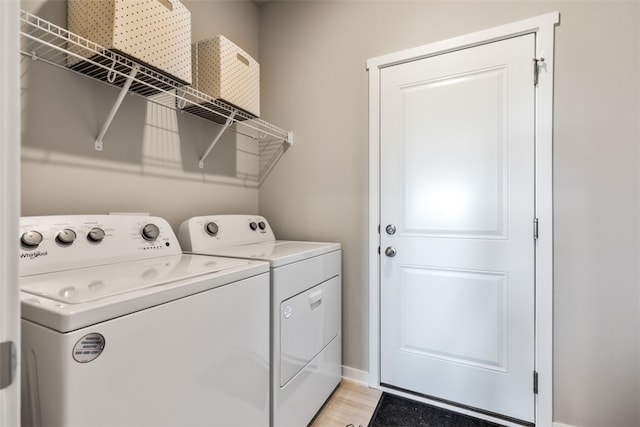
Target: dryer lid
[[84, 285], [277, 253]]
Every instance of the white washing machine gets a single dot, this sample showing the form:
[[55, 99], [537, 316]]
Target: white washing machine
[[120, 328], [306, 342]]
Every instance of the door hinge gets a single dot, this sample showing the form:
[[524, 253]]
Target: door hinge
[[535, 382], [535, 229], [536, 69], [8, 363]]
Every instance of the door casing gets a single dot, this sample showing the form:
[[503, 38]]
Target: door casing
[[10, 202], [543, 27]]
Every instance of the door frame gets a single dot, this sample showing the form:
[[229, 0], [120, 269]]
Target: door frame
[[10, 200], [543, 27]]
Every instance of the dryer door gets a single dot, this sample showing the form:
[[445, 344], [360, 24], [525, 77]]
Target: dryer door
[[308, 322]]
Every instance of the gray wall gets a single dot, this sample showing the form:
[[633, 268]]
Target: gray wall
[[150, 157], [314, 81]]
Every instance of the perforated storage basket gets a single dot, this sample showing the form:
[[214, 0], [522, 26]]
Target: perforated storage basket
[[227, 73], [155, 33]]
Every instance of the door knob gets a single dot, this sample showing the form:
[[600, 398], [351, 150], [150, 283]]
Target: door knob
[[390, 251], [390, 229]]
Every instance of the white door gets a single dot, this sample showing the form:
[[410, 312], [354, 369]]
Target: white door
[[9, 211], [457, 184]]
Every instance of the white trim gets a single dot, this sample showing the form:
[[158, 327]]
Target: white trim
[[561, 425], [527, 26], [9, 199], [374, 224], [544, 28], [544, 213], [355, 375]]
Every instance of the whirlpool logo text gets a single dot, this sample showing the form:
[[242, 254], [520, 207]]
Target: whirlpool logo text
[[33, 255]]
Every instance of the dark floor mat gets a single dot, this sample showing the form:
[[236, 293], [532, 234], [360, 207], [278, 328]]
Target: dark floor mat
[[394, 411]]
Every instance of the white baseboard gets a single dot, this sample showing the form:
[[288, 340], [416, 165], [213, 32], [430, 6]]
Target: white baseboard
[[356, 375], [561, 425]]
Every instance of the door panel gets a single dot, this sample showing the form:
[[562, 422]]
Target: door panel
[[433, 296], [457, 182], [472, 202]]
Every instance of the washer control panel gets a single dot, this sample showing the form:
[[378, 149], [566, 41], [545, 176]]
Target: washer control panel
[[219, 231], [55, 243]]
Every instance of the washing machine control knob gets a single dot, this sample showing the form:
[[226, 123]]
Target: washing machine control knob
[[31, 239], [253, 225], [150, 232], [262, 225], [95, 235], [66, 236], [211, 228]]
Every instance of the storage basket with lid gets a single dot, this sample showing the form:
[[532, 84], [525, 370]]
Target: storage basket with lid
[[155, 33], [226, 73]]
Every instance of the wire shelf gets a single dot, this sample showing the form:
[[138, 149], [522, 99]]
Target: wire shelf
[[47, 42]]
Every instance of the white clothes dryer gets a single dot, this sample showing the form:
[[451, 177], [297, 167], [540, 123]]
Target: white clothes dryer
[[120, 328], [306, 341]]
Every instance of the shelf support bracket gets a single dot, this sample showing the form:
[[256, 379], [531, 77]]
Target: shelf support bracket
[[116, 106], [216, 139]]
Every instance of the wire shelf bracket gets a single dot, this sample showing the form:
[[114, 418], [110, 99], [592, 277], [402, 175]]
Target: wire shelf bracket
[[216, 139], [116, 106]]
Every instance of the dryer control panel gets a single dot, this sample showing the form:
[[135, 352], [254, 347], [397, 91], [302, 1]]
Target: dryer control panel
[[61, 242], [222, 231]]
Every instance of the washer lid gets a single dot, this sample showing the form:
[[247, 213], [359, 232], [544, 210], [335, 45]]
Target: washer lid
[[277, 253], [69, 300], [84, 285]]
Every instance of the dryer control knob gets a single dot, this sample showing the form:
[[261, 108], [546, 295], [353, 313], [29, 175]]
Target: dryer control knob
[[262, 225], [31, 239], [95, 235], [211, 228], [66, 236], [253, 225], [150, 232]]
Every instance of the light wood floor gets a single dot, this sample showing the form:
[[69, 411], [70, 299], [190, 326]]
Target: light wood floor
[[351, 403]]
